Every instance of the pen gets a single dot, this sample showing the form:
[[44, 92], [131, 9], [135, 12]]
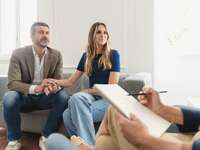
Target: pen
[[136, 94]]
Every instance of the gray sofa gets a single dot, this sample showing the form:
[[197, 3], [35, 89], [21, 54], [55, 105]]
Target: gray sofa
[[34, 121]]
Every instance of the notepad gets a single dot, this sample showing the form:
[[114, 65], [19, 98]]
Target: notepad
[[126, 104]]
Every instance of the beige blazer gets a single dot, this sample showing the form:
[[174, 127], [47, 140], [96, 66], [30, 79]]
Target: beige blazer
[[21, 68]]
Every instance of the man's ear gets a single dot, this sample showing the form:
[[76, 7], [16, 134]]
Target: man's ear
[[32, 37]]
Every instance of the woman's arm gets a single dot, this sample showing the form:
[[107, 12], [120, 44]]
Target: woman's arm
[[71, 80], [115, 70], [113, 78]]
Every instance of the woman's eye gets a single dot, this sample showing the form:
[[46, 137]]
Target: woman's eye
[[98, 32]]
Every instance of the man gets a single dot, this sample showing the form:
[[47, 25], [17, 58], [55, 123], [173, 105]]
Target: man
[[120, 133], [29, 66]]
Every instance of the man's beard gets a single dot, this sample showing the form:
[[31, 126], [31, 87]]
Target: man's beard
[[44, 42]]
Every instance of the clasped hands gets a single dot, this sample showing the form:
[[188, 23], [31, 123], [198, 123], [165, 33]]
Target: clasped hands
[[47, 86]]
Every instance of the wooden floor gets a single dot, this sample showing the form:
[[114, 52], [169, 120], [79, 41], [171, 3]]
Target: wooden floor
[[29, 140]]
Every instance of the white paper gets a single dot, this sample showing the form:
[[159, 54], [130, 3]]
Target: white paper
[[119, 98]]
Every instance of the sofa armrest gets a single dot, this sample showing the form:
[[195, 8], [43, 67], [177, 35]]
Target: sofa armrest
[[133, 85], [135, 82]]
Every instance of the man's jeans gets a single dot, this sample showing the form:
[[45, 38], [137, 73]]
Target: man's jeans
[[83, 110], [14, 103]]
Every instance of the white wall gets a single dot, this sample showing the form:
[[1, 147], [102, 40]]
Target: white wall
[[177, 55], [3, 67], [140, 35], [130, 23]]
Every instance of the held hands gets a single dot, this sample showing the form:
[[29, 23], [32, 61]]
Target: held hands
[[47, 86], [50, 86]]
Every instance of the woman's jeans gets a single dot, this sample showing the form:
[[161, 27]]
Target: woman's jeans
[[82, 112], [59, 142]]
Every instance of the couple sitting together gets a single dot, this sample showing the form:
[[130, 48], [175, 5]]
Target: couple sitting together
[[35, 83]]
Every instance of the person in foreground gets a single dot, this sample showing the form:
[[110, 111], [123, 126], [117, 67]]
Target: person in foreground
[[29, 67], [102, 65], [119, 133]]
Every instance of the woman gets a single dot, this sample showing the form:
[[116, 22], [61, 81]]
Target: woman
[[102, 65]]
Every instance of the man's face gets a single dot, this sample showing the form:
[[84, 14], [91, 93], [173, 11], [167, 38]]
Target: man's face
[[41, 36]]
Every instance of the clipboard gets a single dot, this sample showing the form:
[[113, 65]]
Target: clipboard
[[127, 104]]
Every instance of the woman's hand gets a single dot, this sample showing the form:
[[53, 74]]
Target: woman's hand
[[50, 86], [91, 91]]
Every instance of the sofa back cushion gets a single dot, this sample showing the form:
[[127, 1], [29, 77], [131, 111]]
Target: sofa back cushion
[[3, 85], [82, 83], [130, 82]]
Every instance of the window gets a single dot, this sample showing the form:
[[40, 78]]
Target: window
[[177, 47], [16, 17]]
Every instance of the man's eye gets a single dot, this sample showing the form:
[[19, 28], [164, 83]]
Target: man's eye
[[41, 32]]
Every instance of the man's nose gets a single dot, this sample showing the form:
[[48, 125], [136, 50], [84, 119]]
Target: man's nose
[[46, 35]]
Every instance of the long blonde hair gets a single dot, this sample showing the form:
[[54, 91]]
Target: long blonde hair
[[105, 60]]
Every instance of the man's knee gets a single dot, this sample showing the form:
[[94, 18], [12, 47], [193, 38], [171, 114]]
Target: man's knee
[[62, 97], [66, 116], [11, 99]]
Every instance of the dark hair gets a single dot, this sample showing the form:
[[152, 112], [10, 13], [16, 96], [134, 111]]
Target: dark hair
[[38, 24]]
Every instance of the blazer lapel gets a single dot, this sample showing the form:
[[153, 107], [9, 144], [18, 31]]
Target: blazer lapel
[[30, 60]]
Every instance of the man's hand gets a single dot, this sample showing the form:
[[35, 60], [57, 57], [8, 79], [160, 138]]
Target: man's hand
[[47, 86], [151, 99], [39, 89], [50, 86], [133, 129]]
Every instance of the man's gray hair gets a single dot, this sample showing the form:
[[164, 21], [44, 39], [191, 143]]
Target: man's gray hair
[[38, 24]]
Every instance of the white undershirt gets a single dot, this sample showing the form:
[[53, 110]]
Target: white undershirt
[[38, 70]]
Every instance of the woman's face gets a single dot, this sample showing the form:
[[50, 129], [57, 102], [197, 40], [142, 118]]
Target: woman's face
[[101, 36]]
